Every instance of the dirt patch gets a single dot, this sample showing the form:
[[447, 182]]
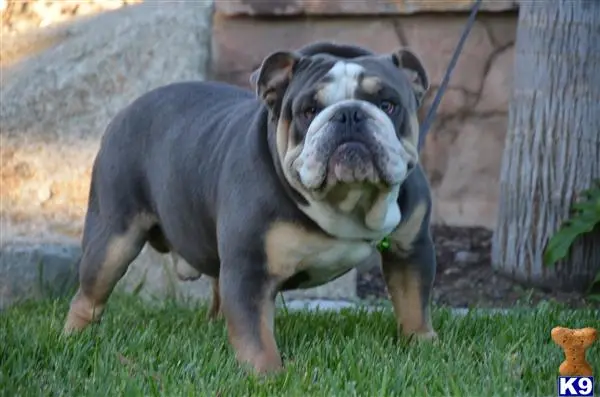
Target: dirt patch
[[465, 277]]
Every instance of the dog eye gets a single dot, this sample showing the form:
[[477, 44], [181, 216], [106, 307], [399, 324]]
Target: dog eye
[[387, 106], [310, 112]]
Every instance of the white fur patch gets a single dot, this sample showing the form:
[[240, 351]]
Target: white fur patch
[[348, 226], [334, 260], [291, 249], [385, 213], [344, 82], [351, 200]]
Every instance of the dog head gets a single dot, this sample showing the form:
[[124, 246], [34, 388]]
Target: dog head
[[346, 130]]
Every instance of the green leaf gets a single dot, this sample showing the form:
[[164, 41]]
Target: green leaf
[[585, 206], [559, 244], [596, 280], [583, 225], [585, 217], [593, 297]]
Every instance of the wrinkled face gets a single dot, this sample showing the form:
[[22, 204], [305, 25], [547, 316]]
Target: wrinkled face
[[347, 137]]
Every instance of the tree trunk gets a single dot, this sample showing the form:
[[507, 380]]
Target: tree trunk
[[552, 149]]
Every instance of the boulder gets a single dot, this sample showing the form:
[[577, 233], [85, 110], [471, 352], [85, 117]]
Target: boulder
[[56, 103], [60, 88], [36, 270]]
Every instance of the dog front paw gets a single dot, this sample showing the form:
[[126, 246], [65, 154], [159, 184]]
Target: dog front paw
[[428, 335]]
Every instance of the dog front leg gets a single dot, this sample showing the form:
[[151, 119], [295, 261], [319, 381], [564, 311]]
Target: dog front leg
[[409, 277], [248, 305]]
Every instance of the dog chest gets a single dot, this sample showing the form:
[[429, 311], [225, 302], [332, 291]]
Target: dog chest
[[324, 266], [291, 250]]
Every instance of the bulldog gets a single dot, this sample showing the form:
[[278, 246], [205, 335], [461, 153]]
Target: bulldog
[[290, 186]]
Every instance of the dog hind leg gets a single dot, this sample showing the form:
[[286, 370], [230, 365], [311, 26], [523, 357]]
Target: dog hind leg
[[107, 252], [215, 307]]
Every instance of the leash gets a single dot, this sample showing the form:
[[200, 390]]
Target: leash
[[384, 244], [438, 97]]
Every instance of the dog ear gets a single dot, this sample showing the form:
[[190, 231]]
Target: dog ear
[[254, 78], [273, 76], [410, 63]]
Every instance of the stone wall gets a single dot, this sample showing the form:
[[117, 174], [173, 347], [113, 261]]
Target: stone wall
[[61, 85], [464, 148]]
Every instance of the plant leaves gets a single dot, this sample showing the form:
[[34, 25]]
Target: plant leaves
[[559, 245], [594, 297], [584, 219], [597, 279]]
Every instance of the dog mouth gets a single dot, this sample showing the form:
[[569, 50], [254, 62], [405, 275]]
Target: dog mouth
[[352, 163], [363, 160]]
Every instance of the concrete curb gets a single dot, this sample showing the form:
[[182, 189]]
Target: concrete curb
[[338, 305], [33, 270], [36, 271]]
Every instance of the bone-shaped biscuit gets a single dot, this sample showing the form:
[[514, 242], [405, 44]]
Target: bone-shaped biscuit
[[574, 342]]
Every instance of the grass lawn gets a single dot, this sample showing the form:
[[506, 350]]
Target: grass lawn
[[170, 350]]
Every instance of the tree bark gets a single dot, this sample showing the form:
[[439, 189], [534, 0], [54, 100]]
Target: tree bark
[[552, 149]]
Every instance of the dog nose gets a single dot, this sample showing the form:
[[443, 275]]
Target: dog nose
[[410, 166], [349, 115]]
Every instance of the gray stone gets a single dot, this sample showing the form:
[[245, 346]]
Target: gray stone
[[36, 271], [320, 305], [466, 257], [58, 99], [152, 276], [341, 288], [33, 270], [60, 88]]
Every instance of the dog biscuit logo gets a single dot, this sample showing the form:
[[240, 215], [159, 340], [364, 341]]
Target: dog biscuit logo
[[575, 372]]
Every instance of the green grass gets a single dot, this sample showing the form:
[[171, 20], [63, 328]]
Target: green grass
[[170, 350]]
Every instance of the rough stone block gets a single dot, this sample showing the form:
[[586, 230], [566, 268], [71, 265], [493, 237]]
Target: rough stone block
[[434, 39], [152, 275], [30, 271], [497, 86], [466, 194], [353, 7], [56, 103], [240, 45]]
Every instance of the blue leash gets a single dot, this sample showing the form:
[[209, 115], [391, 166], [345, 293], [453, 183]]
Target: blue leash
[[438, 97]]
